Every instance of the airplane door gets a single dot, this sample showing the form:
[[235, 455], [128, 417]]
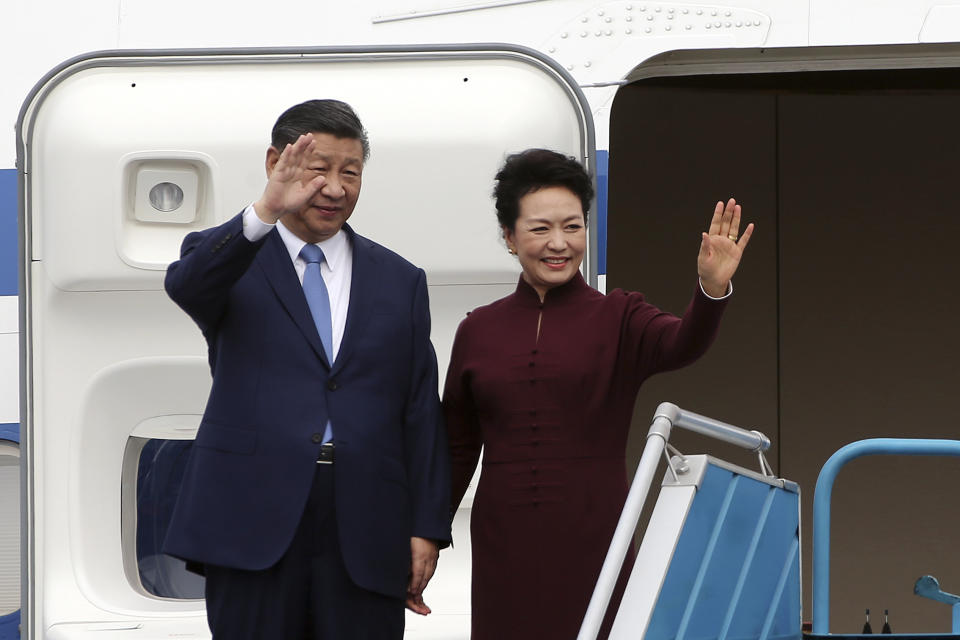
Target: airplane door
[[120, 155]]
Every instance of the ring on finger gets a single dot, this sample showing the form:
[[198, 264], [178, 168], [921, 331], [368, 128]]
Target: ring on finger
[[732, 237]]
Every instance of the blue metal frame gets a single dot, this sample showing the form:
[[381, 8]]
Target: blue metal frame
[[821, 505], [735, 571], [603, 172], [8, 232], [10, 626]]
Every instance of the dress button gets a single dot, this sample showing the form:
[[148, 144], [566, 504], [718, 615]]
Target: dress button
[[332, 384], [536, 442], [533, 382], [533, 470], [531, 364], [534, 426], [316, 438], [533, 412], [534, 352]]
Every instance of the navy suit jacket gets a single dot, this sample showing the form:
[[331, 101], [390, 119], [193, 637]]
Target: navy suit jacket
[[254, 458]]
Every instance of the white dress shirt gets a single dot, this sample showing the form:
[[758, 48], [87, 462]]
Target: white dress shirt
[[336, 269]]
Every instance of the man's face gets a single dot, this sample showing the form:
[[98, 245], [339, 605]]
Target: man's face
[[340, 162]]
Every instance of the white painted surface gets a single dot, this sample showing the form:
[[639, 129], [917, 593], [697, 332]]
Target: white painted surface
[[9, 361], [941, 24], [9, 377], [834, 22], [8, 314]]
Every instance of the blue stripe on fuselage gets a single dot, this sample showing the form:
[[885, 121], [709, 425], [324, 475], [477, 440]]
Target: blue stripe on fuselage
[[603, 169], [8, 232]]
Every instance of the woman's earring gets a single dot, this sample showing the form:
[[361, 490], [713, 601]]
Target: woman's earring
[[512, 251]]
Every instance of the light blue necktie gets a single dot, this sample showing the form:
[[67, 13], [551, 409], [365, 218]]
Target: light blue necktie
[[318, 300]]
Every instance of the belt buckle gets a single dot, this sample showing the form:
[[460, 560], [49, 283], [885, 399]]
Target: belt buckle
[[326, 453]]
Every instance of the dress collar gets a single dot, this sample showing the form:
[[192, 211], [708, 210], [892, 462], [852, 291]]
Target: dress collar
[[566, 291]]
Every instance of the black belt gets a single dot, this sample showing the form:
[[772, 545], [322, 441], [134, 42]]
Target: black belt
[[326, 453]]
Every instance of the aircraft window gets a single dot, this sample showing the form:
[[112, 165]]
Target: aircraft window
[[9, 528], [159, 465]]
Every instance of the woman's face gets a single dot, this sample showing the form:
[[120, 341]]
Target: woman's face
[[549, 237]]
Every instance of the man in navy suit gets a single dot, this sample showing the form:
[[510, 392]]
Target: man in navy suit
[[317, 490]]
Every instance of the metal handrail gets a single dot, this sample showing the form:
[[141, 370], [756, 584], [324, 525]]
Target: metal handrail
[[821, 505], [666, 417]]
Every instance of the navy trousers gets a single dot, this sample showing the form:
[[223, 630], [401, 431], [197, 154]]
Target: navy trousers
[[307, 594]]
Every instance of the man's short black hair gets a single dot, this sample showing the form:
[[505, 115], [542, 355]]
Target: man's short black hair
[[535, 169], [319, 116]]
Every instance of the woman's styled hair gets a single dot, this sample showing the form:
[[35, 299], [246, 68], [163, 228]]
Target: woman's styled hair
[[535, 169]]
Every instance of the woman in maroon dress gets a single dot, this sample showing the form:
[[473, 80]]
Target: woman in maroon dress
[[544, 381]]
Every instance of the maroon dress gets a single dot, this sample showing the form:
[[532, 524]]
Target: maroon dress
[[552, 413]]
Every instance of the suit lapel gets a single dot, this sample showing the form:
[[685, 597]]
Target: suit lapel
[[363, 295], [275, 261]]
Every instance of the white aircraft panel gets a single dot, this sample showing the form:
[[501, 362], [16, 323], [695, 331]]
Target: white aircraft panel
[[421, 117], [194, 628], [941, 24], [40, 35], [10, 376], [842, 22], [9, 314]]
